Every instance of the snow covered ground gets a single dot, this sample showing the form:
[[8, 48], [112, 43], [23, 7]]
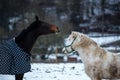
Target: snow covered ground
[[60, 71]]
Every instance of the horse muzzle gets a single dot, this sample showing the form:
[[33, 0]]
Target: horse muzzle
[[54, 29]]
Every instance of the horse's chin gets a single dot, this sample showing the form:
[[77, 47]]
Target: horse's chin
[[56, 33]]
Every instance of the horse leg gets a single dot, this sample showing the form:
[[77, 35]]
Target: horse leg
[[19, 76]]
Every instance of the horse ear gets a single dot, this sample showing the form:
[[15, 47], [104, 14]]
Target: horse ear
[[36, 17], [74, 34]]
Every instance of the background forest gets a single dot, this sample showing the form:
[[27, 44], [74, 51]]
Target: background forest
[[100, 15]]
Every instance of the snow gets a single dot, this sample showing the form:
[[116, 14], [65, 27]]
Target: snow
[[58, 71], [62, 71], [105, 40]]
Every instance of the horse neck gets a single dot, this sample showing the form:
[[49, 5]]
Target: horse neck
[[26, 40], [86, 53]]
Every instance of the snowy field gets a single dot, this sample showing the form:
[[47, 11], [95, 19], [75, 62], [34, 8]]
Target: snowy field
[[60, 71], [67, 71]]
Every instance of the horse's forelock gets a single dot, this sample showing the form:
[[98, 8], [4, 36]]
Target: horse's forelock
[[74, 34]]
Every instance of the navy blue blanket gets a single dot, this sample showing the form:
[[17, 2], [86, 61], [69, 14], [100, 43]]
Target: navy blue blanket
[[13, 60]]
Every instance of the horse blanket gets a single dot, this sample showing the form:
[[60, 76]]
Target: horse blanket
[[13, 59]]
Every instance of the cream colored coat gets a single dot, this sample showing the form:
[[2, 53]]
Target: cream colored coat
[[99, 63]]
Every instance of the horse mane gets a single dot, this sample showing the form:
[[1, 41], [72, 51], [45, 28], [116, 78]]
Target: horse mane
[[86, 42], [32, 26]]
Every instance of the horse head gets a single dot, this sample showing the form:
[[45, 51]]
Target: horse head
[[42, 28], [28, 36], [77, 40]]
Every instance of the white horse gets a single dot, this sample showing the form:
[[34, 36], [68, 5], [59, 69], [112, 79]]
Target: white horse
[[99, 63]]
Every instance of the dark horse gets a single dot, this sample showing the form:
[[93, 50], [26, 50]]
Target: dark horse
[[28, 36], [26, 39]]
